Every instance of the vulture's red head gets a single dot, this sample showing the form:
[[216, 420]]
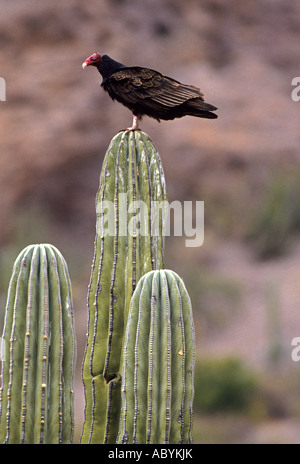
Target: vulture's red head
[[92, 60]]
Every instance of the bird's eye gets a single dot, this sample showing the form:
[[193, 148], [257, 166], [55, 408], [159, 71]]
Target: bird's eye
[[93, 58]]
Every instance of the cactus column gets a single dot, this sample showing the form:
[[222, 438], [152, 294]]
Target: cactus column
[[39, 350], [158, 363], [126, 247]]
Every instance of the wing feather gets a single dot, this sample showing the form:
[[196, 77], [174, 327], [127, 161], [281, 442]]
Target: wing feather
[[136, 84]]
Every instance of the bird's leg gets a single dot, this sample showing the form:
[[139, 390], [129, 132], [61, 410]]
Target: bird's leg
[[135, 124]]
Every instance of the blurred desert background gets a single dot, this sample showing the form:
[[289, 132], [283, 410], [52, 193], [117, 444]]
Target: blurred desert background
[[244, 282]]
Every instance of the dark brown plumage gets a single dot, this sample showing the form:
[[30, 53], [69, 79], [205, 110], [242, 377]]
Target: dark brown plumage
[[147, 92]]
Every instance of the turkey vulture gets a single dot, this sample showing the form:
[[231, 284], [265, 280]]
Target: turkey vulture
[[147, 92]]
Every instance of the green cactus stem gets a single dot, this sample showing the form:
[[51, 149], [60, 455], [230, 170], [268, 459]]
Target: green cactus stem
[[132, 181], [36, 402], [158, 363]]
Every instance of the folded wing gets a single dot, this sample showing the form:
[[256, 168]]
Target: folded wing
[[134, 84]]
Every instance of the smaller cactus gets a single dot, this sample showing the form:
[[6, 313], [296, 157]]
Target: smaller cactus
[[158, 363], [36, 401]]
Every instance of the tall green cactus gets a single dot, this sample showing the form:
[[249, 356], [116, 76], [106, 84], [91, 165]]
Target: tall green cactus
[[36, 402], [158, 363], [132, 180]]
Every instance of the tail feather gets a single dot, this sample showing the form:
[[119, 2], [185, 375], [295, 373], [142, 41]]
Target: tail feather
[[200, 109], [202, 114]]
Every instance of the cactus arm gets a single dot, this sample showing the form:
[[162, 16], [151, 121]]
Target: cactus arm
[[37, 386], [158, 363]]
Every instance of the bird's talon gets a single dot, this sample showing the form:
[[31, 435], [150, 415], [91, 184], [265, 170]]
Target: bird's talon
[[135, 124]]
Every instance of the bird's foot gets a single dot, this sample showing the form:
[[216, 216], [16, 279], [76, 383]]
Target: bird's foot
[[135, 124]]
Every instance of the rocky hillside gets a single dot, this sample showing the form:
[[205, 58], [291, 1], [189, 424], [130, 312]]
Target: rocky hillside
[[56, 123]]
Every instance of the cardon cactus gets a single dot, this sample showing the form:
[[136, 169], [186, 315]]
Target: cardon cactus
[[158, 363], [39, 350], [132, 184]]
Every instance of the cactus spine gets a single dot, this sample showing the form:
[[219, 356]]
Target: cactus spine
[[36, 402], [131, 179], [158, 363]]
